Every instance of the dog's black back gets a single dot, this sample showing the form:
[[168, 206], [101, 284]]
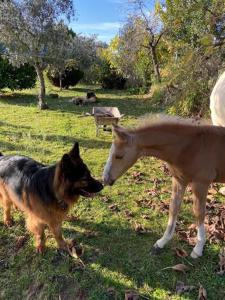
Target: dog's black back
[[22, 173], [66, 180]]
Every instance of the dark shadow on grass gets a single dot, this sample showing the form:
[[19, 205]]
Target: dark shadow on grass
[[130, 106], [114, 256], [120, 254], [98, 90], [64, 139], [6, 147], [124, 252], [14, 126], [20, 99]]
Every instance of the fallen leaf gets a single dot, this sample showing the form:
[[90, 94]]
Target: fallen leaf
[[212, 191], [180, 252], [182, 235], [80, 295], [131, 295], [79, 249], [139, 228], [182, 288], [156, 182], [90, 233], [152, 192], [165, 169], [146, 217], [210, 197], [72, 218], [222, 191], [189, 189], [202, 295], [221, 267], [20, 241], [179, 267], [137, 177], [128, 213], [73, 253], [165, 190], [111, 292], [192, 227], [192, 241], [33, 290], [137, 174], [114, 207], [105, 199], [76, 252]]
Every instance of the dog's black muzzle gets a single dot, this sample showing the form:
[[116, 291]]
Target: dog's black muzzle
[[94, 186]]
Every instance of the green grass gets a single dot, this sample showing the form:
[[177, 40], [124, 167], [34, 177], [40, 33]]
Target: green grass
[[116, 258]]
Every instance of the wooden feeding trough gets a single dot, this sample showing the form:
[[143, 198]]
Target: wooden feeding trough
[[105, 116]]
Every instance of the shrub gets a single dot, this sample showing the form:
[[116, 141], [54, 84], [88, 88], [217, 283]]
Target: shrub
[[16, 78], [113, 81], [70, 77]]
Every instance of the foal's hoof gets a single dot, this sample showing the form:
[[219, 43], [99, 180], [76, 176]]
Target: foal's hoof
[[195, 255], [156, 250]]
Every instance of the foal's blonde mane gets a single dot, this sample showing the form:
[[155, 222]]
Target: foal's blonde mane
[[163, 119]]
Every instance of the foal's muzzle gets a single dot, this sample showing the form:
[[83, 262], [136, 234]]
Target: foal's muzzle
[[108, 181]]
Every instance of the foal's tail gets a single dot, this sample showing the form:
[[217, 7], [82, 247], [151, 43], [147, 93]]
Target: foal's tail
[[1, 154]]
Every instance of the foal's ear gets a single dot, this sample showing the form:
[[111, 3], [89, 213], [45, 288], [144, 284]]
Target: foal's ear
[[75, 152], [120, 133]]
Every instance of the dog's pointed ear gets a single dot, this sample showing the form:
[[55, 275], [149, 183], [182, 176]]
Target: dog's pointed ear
[[120, 133], [66, 163], [75, 152]]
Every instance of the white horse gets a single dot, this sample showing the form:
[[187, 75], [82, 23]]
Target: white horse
[[217, 107], [217, 102]]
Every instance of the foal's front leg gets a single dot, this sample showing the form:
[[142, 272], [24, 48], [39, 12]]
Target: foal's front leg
[[178, 189], [199, 202]]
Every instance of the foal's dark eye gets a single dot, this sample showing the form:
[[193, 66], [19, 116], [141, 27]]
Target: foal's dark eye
[[118, 157]]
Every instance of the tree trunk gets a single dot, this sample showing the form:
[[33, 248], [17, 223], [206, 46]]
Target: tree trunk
[[155, 63], [60, 80], [41, 96]]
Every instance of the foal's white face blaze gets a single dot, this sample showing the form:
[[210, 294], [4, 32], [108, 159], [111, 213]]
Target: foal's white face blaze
[[123, 154]]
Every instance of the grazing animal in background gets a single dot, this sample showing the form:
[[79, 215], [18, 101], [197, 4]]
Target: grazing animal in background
[[90, 98], [91, 95], [44, 193], [194, 154], [217, 102]]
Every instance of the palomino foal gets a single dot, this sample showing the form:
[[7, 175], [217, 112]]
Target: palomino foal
[[194, 154]]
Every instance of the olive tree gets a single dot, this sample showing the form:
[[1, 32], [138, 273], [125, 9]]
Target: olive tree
[[81, 50], [30, 31]]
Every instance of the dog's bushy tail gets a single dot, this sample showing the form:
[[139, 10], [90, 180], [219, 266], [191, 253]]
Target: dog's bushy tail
[[1, 154]]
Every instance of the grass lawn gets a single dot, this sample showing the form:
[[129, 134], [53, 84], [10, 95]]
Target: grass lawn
[[116, 257]]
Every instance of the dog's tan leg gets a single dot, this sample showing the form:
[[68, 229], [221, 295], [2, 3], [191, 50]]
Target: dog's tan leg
[[199, 202], [178, 189], [37, 229], [7, 204], [57, 232]]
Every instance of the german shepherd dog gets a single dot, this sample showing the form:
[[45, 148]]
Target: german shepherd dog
[[44, 193]]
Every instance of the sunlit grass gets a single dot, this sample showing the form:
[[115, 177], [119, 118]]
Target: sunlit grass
[[116, 257]]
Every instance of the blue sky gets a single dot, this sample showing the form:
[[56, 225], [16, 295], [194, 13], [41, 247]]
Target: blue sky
[[101, 17]]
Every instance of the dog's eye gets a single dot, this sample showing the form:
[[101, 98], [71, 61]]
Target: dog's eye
[[118, 157]]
